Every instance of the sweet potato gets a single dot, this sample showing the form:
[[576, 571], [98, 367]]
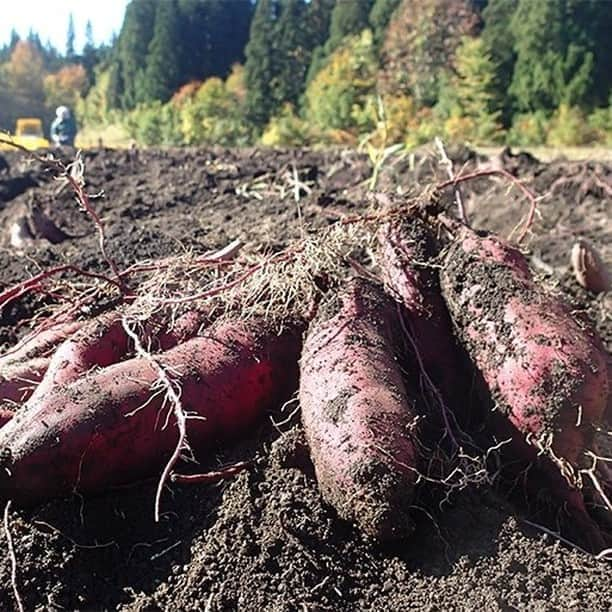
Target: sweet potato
[[39, 343], [112, 426], [100, 342], [359, 417], [23, 366], [19, 380], [407, 258], [5, 416], [545, 370], [103, 341]]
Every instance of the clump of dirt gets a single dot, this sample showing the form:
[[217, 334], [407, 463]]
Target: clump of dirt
[[266, 540]]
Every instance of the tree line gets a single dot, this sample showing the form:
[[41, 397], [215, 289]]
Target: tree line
[[295, 72]]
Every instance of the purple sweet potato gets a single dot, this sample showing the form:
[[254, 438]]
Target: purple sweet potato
[[358, 415], [23, 366], [19, 380], [113, 426], [545, 370], [407, 259], [103, 341]]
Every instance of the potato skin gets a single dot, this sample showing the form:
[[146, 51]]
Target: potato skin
[[359, 418], [109, 427], [546, 372], [408, 252]]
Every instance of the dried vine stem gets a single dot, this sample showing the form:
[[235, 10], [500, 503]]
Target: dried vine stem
[[531, 197], [34, 282], [214, 476]]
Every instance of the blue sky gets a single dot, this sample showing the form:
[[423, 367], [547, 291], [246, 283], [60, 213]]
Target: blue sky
[[50, 19]]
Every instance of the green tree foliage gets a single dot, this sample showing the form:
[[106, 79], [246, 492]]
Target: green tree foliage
[[318, 20], [597, 16], [348, 17], [214, 34], [90, 56], [569, 127], [340, 93], [70, 53], [420, 45], [161, 77], [293, 52], [499, 44], [555, 62], [475, 114], [260, 65], [277, 56], [286, 130], [228, 28], [380, 15], [96, 106], [154, 124], [213, 115], [132, 50]]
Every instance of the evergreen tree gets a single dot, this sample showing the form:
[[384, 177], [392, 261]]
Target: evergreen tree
[[260, 65], [474, 89], [132, 50], [115, 86], [499, 44], [593, 20], [348, 17], [70, 53], [554, 58], [197, 59], [292, 53], [214, 35], [14, 39], [162, 75], [89, 56], [228, 29], [318, 21], [380, 15]]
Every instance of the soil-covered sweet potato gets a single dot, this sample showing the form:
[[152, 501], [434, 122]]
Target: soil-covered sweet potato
[[409, 268], [546, 370], [360, 419], [115, 425]]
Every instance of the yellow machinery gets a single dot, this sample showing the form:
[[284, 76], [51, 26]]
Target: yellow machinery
[[28, 134]]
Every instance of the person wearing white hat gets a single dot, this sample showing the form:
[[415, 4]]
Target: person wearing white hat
[[63, 128]]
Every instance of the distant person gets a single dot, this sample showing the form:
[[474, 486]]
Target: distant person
[[63, 128]]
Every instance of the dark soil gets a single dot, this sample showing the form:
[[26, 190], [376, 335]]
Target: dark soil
[[266, 540]]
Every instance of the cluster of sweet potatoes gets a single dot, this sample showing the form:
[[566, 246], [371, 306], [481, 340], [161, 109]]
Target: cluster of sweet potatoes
[[454, 344]]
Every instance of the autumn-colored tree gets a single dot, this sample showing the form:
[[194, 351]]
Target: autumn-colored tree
[[420, 45], [213, 116], [185, 93], [24, 71], [65, 86], [95, 108], [337, 96], [475, 110], [22, 85], [235, 83], [286, 129]]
